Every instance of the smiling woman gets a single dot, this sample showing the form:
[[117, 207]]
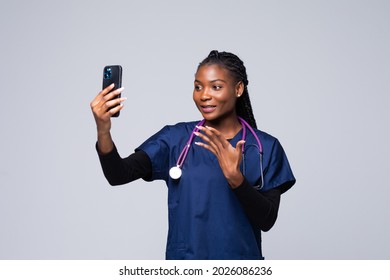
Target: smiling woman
[[216, 210], [215, 95]]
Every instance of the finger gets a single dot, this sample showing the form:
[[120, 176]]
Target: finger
[[117, 105], [113, 94], [215, 136], [114, 102], [240, 145], [207, 147], [107, 89], [100, 95], [115, 109], [109, 108], [218, 138], [101, 100], [206, 139]]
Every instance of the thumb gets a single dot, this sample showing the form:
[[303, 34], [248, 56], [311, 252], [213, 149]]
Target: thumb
[[239, 145]]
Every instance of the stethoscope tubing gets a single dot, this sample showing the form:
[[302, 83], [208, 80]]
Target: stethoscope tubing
[[244, 125], [175, 172], [184, 152]]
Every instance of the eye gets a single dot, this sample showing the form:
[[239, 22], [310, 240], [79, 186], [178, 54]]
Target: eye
[[217, 87], [197, 87]]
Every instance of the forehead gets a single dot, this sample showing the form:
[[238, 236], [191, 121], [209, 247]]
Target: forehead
[[211, 72]]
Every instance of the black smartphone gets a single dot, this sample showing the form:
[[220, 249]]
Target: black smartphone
[[113, 74]]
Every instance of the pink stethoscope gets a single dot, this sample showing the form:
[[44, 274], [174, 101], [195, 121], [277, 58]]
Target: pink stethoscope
[[176, 171]]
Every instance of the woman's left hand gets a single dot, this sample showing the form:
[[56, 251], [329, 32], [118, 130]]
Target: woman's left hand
[[229, 158]]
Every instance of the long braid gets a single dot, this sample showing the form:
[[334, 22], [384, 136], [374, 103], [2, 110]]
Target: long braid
[[236, 67]]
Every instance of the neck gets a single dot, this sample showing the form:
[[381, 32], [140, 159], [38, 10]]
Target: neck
[[229, 127]]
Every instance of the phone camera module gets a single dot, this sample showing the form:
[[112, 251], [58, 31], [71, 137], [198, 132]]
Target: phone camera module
[[107, 73]]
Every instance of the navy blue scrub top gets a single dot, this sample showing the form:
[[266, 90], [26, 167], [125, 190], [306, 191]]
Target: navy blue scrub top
[[206, 220]]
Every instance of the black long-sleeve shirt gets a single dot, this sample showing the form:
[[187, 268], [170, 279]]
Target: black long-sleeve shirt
[[261, 208]]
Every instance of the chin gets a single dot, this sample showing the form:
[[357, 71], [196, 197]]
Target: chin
[[212, 119]]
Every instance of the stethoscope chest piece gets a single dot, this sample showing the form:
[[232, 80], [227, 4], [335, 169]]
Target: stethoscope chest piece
[[175, 172]]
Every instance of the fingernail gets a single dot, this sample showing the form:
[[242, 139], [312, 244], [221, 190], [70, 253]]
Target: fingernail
[[196, 133], [197, 143]]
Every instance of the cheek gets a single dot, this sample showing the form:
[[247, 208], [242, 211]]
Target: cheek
[[229, 98], [195, 98]]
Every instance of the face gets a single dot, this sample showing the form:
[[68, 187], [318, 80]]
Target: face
[[216, 92]]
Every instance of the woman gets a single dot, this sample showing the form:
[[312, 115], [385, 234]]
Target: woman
[[218, 201]]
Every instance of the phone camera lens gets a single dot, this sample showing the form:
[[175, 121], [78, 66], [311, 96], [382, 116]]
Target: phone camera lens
[[107, 73]]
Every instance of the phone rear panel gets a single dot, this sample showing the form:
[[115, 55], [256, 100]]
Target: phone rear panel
[[112, 74]]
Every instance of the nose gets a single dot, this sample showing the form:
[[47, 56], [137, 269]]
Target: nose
[[205, 95]]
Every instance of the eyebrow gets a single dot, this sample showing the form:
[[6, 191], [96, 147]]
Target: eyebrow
[[213, 81]]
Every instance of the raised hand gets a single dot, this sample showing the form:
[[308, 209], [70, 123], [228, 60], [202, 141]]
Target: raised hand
[[103, 106], [229, 158]]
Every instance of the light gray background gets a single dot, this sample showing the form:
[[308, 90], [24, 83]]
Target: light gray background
[[319, 81]]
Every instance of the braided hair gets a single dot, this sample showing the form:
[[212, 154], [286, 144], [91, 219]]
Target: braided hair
[[236, 68]]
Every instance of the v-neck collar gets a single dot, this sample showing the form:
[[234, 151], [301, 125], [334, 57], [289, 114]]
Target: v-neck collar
[[232, 142]]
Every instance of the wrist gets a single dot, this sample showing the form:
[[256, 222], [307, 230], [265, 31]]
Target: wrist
[[103, 133], [104, 148], [104, 142], [236, 180]]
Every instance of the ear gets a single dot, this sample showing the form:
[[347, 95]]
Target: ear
[[239, 89]]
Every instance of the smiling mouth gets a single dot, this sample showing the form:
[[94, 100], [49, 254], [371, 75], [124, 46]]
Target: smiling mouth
[[208, 108]]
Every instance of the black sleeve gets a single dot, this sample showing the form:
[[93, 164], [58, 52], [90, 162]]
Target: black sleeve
[[261, 208], [120, 171]]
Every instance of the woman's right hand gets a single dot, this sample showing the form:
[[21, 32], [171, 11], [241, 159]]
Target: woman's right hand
[[104, 106]]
